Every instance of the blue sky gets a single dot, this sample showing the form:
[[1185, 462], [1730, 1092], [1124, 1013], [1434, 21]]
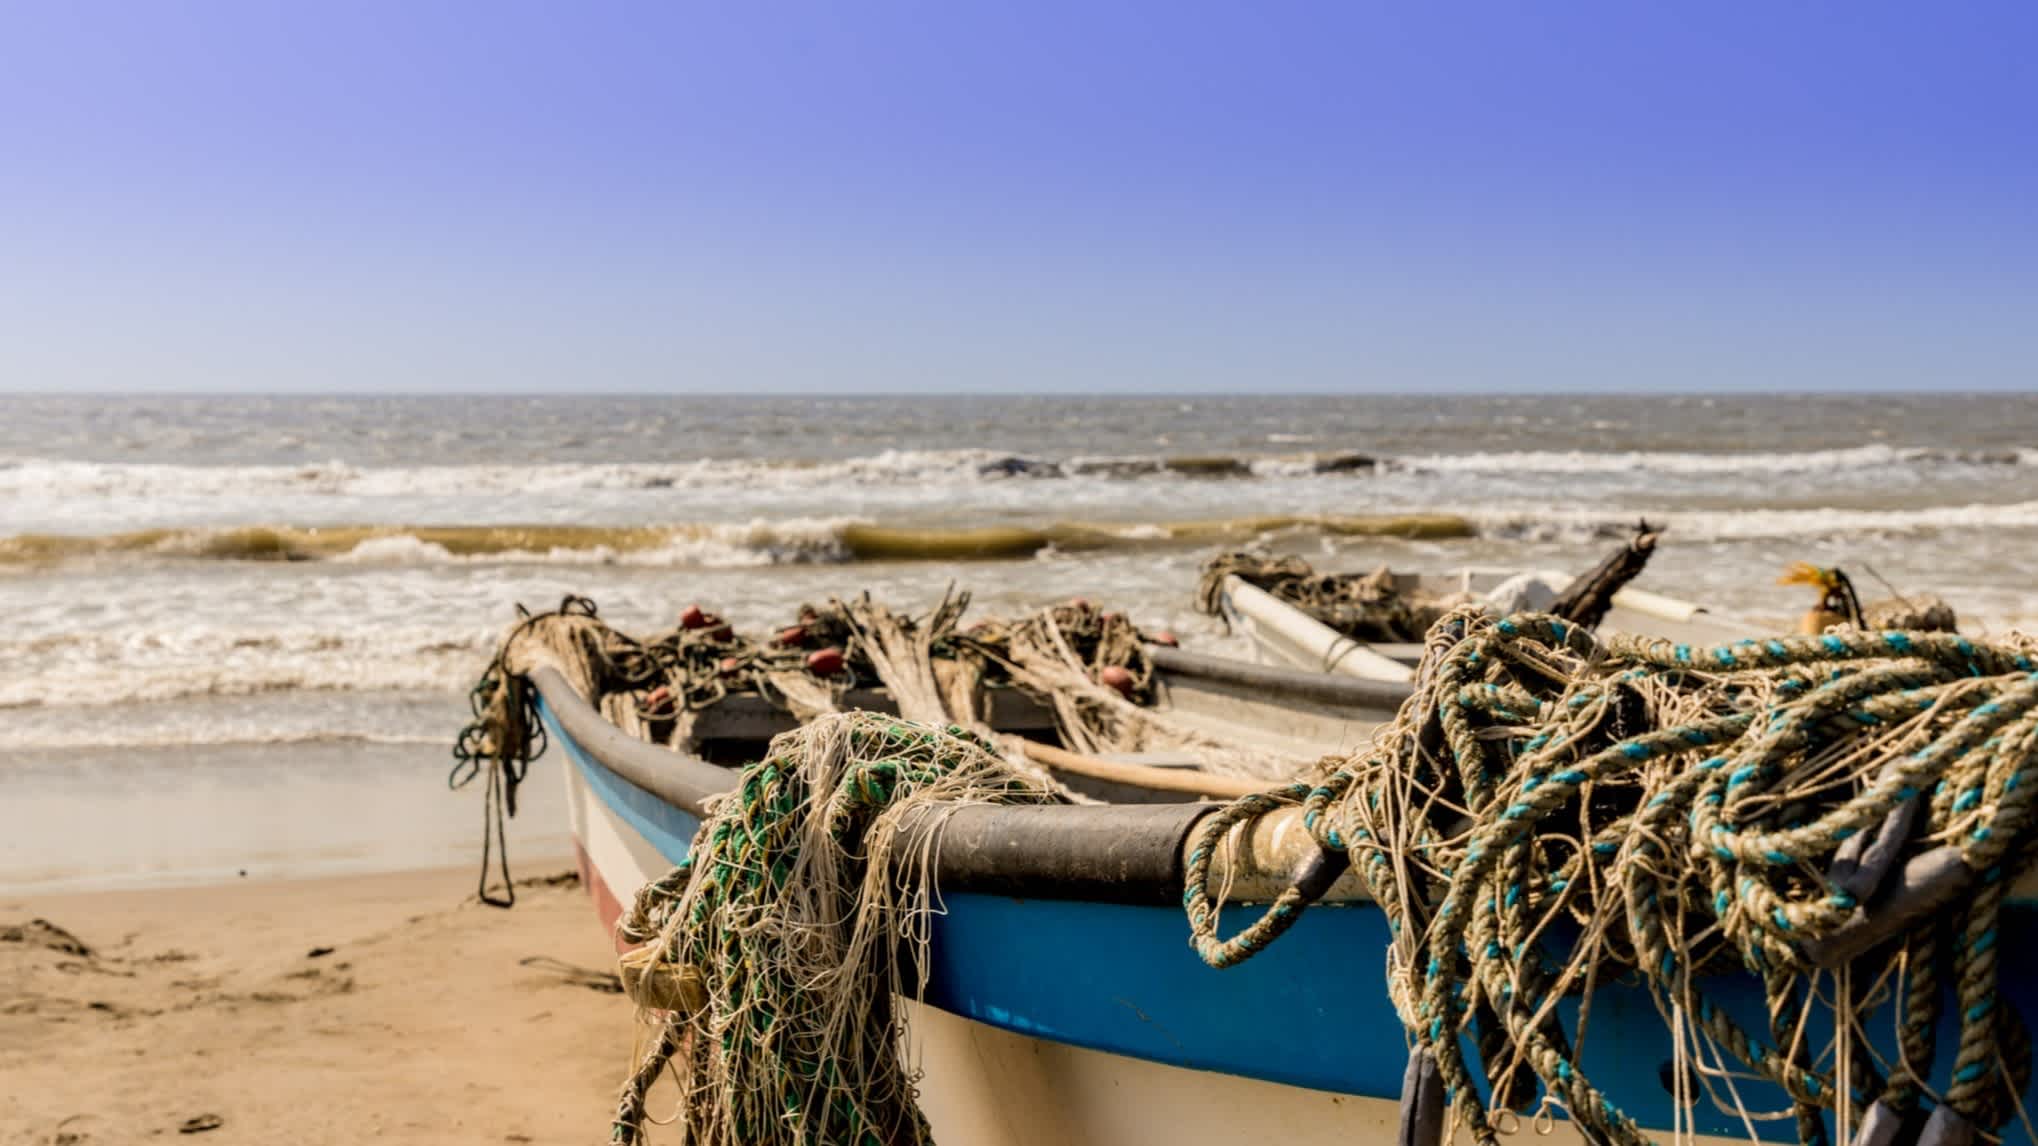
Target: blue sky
[[407, 195]]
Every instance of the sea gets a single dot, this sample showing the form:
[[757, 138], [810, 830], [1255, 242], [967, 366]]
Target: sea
[[240, 631]]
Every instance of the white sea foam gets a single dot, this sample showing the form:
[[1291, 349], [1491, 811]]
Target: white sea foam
[[41, 481], [1865, 457], [73, 735], [1754, 524], [109, 670], [43, 478], [796, 541], [793, 541], [403, 550]]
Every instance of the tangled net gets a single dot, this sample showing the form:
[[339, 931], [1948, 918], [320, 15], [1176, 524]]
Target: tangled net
[[768, 952], [1089, 665], [1685, 813], [652, 687], [1364, 607]]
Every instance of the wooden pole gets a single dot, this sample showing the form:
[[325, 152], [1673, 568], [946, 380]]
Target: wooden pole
[[1188, 780]]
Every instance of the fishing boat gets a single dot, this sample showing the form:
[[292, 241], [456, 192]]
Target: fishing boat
[[1027, 1035], [1061, 1001], [1060, 998], [1282, 634]]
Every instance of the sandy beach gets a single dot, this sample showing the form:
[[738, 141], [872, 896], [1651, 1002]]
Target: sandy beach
[[390, 1007]]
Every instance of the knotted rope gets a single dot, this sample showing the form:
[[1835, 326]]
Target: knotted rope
[[1690, 810]]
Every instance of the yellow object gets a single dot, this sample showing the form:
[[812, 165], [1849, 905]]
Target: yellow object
[[1806, 573], [660, 986], [1836, 596]]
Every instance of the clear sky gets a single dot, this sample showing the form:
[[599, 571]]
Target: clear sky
[[411, 195]]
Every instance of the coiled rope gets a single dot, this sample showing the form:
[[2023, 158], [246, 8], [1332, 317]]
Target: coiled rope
[[1690, 811]]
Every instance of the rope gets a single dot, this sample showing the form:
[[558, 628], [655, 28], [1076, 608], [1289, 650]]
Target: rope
[[1682, 805], [504, 736]]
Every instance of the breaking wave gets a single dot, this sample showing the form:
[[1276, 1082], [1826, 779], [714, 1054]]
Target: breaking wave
[[1758, 524], [205, 667], [1867, 457], [842, 540], [794, 541], [44, 479]]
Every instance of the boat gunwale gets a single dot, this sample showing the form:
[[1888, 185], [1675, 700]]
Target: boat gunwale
[[1121, 853]]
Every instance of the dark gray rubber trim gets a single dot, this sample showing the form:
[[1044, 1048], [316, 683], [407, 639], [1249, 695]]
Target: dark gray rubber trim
[[683, 781], [1422, 1102], [1276, 683], [1107, 853]]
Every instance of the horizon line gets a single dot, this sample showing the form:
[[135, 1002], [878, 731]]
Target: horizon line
[[1160, 395]]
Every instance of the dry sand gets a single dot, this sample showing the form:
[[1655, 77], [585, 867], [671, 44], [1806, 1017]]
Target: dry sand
[[431, 1018]]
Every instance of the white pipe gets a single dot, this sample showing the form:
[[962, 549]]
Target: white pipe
[[1305, 641], [1655, 605]]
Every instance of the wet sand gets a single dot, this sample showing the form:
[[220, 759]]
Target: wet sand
[[389, 1007]]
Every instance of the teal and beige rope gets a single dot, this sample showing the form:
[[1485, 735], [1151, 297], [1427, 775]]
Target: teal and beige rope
[[1683, 806]]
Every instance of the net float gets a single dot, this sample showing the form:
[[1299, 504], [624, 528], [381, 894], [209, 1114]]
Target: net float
[[1116, 677], [794, 636], [692, 617], [731, 666], [1166, 637], [825, 662]]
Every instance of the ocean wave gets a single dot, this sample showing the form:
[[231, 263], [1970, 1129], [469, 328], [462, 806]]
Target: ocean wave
[[846, 540], [42, 480], [188, 678], [126, 711], [792, 541], [1560, 462], [786, 542], [1756, 524], [49, 478], [99, 737]]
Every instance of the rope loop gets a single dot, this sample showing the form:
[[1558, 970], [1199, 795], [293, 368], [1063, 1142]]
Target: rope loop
[[1549, 811]]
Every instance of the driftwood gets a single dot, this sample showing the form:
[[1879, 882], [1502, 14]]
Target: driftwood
[[1587, 598]]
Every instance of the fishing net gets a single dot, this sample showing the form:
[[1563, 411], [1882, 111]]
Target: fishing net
[[1088, 665], [654, 686], [1551, 812], [768, 959], [1065, 654]]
